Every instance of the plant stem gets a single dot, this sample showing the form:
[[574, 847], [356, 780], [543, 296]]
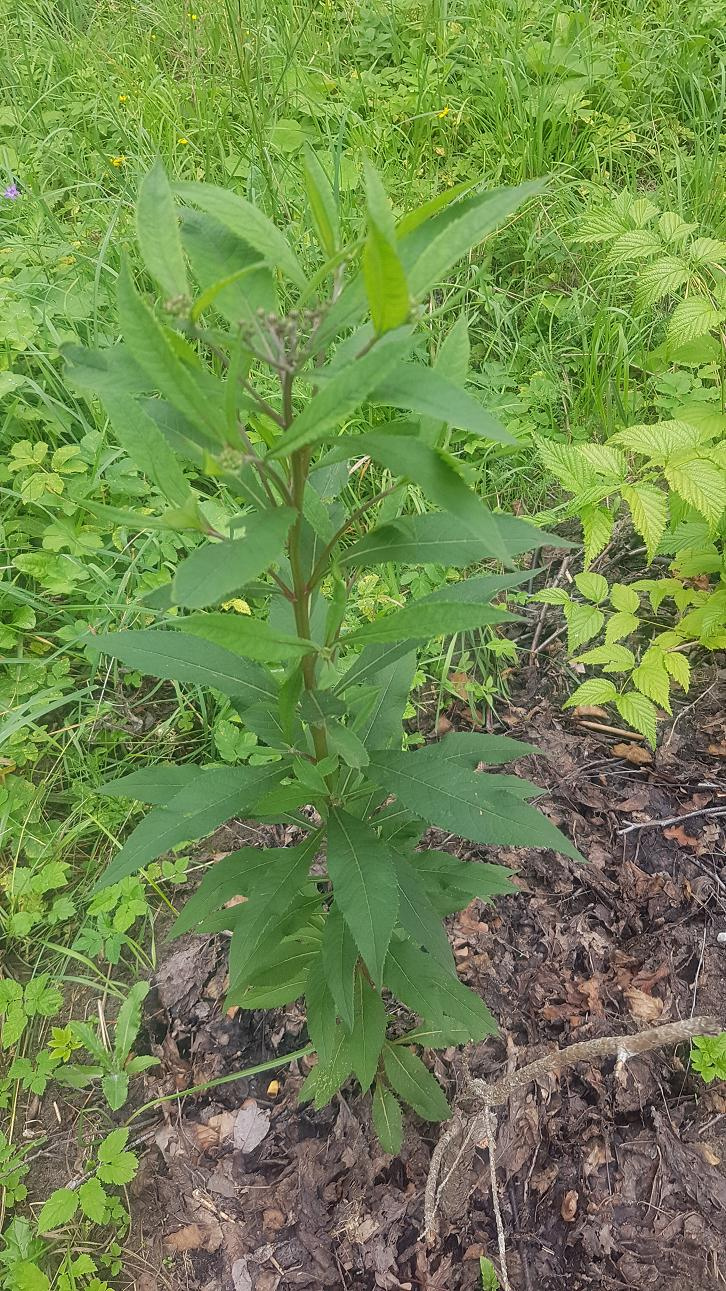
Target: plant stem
[[300, 462]]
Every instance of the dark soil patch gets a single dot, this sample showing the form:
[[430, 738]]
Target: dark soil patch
[[610, 1178]]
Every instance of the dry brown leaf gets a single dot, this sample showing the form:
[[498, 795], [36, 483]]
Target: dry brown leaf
[[634, 753], [708, 1154], [443, 726], [568, 1209], [718, 750], [684, 839], [589, 710], [272, 1220], [195, 1237], [644, 1008], [241, 1277], [543, 1179], [251, 1126]]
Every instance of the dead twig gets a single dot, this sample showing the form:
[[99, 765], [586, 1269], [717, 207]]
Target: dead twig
[[486, 1095], [610, 730], [672, 820]]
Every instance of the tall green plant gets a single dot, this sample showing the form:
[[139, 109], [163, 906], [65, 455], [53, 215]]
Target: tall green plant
[[253, 376]]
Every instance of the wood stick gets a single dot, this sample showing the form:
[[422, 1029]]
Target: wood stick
[[673, 820]]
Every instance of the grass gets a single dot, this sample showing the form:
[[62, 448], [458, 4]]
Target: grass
[[599, 98]]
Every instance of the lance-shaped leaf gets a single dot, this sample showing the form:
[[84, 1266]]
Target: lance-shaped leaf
[[364, 882], [340, 954], [387, 1119], [417, 388], [414, 1083], [175, 657], [437, 539], [191, 390], [245, 635], [417, 915], [157, 230], [369, 1032], [193, 812], [234, 278], [383, 273], [471, 805], [216, 571], [154, 785], [248, 223]]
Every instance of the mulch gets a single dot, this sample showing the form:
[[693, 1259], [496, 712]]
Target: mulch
[[610, 1176]]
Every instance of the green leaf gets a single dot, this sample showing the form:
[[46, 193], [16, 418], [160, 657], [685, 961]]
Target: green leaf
[[247, 222], [176, 657], [583, 623], [640, 713], [247, 636], [414, 1083], [217, 571], [320, 1009], [94, 1200], [648, 510], [422, 621], [115, 1088], [596, 690], [651, 678], [435, 472], [624, 598], [190, 814], [41, 998], [592, 586], [268, 901], [149, 450], [661, 440], [387, 1119], [369, 1032], [370, 663], [326, 1079], [679, 668], [157, 230], [417, 915], [423, 390], [26, 1276], [340, 955], [552, 596], [620, 625], [597, 528], [238, 874], [432, 248], [437, 539], [382, 724], [342, 393], [662, 278], [152, 349], [234, 278], [155, 784], [691, 318], [613, 658], [469, 804], [383, 273], [60, 1207], [344, 741], [473, 747], [321, 201], [277, 975], [364, 882], [701, 484], [452, 884], [129, 1020]]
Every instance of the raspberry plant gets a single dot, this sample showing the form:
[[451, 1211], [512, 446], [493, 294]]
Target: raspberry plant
[[269, 380]]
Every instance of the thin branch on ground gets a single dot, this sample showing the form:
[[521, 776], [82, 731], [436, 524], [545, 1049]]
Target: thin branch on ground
[[475, 1125], [672, 820]]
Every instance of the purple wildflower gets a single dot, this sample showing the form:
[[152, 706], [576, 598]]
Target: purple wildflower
[[11, 192]]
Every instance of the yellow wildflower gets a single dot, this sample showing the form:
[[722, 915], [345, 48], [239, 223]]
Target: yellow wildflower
[[194, 17], [444, 112], [123, 98], [118, 161], [181, 139]]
